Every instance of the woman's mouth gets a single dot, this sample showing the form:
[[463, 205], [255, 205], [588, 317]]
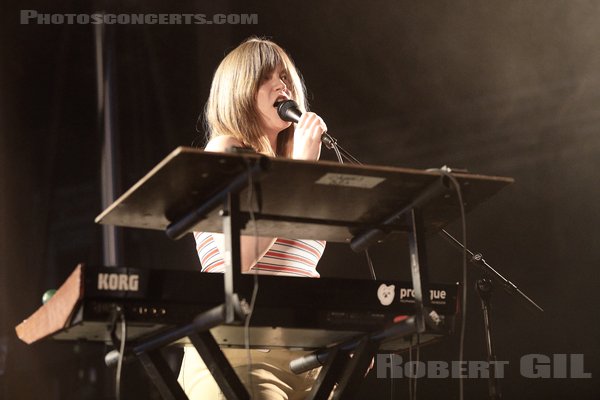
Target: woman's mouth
[[280, 99]]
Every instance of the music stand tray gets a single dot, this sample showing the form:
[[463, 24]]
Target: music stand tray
[[300, 199]]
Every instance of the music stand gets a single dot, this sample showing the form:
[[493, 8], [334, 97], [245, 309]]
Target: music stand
[[196, 190]]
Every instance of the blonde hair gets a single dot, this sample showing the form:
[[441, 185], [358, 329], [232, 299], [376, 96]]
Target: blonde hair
[[231, 108]]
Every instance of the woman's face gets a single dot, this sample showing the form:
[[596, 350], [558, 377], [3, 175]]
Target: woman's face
[[273, 89]]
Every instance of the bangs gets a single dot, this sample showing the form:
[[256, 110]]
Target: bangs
[[258, 60], [267, 59]]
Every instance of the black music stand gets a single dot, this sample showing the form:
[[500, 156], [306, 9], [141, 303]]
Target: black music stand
[[196, 190]]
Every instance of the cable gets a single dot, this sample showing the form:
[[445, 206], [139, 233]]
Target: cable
[[338, 154], [447, 173], [464, 278], [331, 143], [121, 354], [334, 146], [250, 200]]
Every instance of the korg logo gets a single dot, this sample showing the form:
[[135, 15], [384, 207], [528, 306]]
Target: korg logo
[[121, 282]]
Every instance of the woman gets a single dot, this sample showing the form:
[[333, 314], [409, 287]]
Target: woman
[[241, 112]]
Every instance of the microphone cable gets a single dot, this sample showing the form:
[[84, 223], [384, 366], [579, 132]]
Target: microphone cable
[[332, 144], [250, 201]]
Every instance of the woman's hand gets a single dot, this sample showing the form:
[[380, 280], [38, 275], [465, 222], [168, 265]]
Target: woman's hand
[[307, 137]]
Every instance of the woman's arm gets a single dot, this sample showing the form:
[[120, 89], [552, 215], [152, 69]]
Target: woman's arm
[[252, 249]]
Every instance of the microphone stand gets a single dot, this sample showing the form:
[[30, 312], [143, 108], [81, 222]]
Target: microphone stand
[[484, 288]]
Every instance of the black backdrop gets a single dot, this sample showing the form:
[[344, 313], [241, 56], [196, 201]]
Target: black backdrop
[[502, 88]]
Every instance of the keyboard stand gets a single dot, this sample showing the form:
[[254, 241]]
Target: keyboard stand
[[346, 368], [349, 203]]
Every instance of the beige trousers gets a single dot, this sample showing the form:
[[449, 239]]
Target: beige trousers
[[269, 374]]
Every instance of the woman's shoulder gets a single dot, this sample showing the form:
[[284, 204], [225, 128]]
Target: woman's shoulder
[[222, 143]]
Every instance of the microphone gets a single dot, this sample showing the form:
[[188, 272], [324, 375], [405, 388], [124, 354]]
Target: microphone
[[288, 111]]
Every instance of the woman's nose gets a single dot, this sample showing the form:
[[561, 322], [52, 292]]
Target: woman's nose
[[280, 84]]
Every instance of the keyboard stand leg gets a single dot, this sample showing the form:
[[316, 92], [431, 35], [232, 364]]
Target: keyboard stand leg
[[148, 352], [329, 375], [348, 372], [219, 366], [355, 370], [161, 374]]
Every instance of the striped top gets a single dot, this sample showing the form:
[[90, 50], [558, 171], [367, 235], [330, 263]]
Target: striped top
[[287, 257]]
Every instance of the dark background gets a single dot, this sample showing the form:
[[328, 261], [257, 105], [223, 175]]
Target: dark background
[[508, 88]]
